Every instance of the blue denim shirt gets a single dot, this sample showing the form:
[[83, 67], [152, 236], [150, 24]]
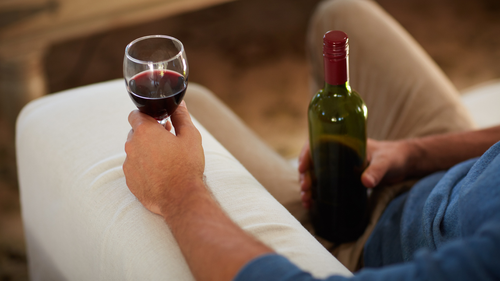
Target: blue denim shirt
[[446, 228]]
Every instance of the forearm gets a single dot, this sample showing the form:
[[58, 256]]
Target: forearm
[[215, 248], [440, 152]]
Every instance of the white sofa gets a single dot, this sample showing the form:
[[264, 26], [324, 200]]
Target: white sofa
[[82, 223]]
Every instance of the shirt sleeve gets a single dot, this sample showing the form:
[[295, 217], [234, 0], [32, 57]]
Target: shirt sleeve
[[273, 267], [276, 268], [474, 258]]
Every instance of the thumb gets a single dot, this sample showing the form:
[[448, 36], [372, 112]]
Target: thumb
[[375, 172], [181, 120]]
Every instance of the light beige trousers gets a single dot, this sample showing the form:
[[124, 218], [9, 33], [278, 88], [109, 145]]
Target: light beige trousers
[[407, 95]]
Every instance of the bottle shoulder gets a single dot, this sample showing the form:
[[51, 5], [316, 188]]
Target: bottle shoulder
[[337, 104]]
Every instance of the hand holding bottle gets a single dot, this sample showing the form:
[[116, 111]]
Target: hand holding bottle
[[388, 162]]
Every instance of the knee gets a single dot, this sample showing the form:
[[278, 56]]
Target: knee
[[334, 15], [336, 5], [329, 9]]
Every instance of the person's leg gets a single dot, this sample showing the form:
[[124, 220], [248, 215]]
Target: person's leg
[[407, 95], [268, 167]]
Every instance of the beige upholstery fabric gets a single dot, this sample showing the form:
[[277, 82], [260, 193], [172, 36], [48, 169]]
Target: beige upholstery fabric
[[81, 221]]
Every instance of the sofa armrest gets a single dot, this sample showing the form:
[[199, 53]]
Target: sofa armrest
[[81, 221]]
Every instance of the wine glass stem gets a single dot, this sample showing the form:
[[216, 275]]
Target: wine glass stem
[[167, 124]]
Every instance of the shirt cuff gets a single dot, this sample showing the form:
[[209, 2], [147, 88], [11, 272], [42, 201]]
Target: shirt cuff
[[271, 267]]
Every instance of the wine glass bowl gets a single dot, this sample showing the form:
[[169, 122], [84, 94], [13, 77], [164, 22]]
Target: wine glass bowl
[[156, 74]]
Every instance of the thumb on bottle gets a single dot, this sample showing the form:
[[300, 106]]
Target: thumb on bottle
[[374, 173]]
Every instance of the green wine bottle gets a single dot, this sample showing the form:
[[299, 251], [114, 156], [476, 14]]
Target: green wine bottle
[[337, 133]]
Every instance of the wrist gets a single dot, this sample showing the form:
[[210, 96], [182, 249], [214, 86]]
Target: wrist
[[414, 154], [181, 198]]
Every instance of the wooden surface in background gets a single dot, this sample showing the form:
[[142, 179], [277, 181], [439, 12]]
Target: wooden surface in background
[[25, 22], [29, 27]]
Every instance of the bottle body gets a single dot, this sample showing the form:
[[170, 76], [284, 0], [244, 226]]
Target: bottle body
[[338, 150], [337, 132]]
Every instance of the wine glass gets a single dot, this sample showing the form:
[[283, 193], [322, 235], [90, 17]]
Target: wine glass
[[156, 74]]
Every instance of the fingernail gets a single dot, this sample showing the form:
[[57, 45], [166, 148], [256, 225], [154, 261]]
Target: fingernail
[[370, 181]]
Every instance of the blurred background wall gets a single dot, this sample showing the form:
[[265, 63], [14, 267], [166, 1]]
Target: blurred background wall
[[250, 53]]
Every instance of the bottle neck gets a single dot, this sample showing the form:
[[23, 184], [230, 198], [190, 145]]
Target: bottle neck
[[337, 76], [336, 70]]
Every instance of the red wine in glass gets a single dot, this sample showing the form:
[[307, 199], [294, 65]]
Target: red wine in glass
[[156, 74], [157, 92]]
